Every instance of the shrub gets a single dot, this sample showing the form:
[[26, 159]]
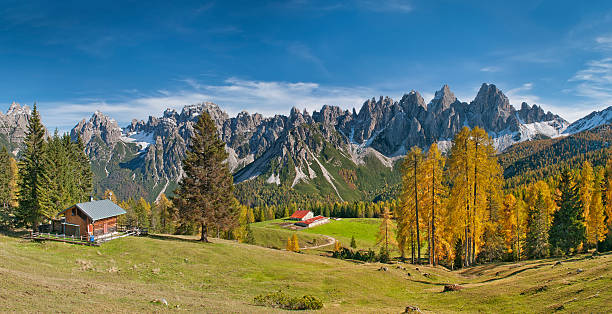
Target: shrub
[[383, 256], [362, 255], [284, 301]]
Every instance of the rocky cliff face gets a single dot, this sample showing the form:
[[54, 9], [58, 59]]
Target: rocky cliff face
[[301, 148], [13, 126]]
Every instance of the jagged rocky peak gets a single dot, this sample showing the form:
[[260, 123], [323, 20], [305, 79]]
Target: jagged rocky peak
[[16, 109], [442, 100], [535, 113], [98, 125], [490, 97], [14, 124], [412, 101], [328, 115], [297, 118]]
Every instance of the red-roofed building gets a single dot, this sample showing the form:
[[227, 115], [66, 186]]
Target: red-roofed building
[[301, 215], [314, 221]]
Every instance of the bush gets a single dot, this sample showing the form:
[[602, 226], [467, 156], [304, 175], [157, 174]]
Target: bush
[[284, 301], [383, 256], [365, 256]]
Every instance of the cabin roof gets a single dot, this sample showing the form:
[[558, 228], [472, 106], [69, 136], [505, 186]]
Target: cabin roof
[[97, 210], [300, 214]]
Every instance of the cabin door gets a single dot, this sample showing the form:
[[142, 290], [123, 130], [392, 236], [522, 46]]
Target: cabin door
[[105, 228]]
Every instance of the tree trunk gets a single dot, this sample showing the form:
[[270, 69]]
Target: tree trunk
[[416, 204], [203, 235], [473, 246], [432, 250]]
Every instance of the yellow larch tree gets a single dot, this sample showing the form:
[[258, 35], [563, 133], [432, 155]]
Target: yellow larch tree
[[386, 231], [458, 171], [586, 190], [408, 220], [109, 195], [508, 222], [596, 224], [433, 198]]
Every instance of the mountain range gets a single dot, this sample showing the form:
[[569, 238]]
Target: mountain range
[[332, 153]]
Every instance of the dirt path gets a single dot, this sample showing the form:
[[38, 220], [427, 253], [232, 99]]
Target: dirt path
[[330, 241]]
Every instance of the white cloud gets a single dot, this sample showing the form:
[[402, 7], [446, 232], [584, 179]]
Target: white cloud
[[595, 81], [491, 69], [386, 5], [234, 95], [522, 94]]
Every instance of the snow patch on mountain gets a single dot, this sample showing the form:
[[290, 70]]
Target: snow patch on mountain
[[594, 119], [142, 139]]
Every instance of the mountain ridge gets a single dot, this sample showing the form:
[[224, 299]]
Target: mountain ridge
[[326, 152]]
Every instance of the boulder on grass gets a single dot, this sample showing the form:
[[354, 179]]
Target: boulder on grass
[[453, 287], [412, 309]]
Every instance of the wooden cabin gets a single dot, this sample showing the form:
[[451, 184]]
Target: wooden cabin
[[97, 218]]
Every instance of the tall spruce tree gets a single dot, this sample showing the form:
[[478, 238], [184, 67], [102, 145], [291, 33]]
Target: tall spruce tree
[[536, 241], [8, 178], [31, 173], [205, 194], [567, 231]]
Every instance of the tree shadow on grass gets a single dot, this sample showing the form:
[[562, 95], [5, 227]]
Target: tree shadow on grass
[[14, 233], [170, 237]]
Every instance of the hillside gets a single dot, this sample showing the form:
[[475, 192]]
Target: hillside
[[544, 157], [125, 275]]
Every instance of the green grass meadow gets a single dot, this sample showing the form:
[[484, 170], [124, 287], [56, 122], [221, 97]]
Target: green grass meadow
[[127, 274]]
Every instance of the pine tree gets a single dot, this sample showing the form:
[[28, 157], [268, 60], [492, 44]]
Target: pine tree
[[567, 230], [81, 168], [536, 241], [250, 237], [30, 211], [205, 194], [54, 190], [8, 180], [353, 242]]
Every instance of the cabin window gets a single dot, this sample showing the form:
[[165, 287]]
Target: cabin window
[[73, 211]]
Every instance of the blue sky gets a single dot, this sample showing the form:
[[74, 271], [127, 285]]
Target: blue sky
[[131, 59]]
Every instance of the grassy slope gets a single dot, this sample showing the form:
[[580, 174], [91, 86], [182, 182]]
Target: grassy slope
[[363, 229], [225, 276], [271, 234], [268, 234]]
